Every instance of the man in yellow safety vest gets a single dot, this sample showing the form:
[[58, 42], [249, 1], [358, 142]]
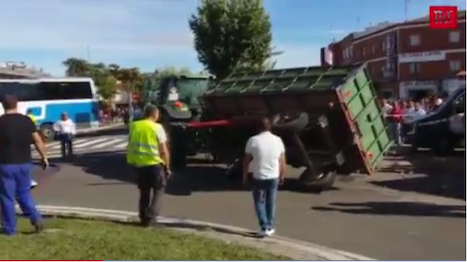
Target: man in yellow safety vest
[[148, 154], [32, 117]]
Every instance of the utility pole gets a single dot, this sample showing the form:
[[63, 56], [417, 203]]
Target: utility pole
[[406, 11], [88, 52]]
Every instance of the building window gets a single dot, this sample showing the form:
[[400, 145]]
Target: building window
[[414, 40], [373, 49], [383, 45], [455, 66], [414, 68], [363, 51], [344, 54], [454, 36], [351, 52]]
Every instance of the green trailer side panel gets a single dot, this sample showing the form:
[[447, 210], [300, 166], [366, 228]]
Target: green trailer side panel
[[360, 98]]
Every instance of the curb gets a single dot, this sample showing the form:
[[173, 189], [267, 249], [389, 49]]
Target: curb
[[304, 250]]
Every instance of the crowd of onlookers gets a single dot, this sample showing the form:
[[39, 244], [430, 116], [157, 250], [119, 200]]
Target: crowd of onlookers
[[400, 114], [115, 115], [119, 114]]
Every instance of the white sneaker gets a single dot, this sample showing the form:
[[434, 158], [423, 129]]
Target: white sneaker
[[270, 232], [33, 184], [263, 233]]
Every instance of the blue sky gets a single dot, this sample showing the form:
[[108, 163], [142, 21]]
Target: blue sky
[[153, 34]]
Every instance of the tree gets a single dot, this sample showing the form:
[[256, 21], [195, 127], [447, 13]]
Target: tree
[[231, 35], [131, 78], [76, 67], [107, 86], [114, 69]]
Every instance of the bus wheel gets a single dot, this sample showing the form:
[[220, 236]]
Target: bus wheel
[[47, 132]]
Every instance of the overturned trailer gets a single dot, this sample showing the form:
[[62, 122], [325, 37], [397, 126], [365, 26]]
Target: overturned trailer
[[328, 118]]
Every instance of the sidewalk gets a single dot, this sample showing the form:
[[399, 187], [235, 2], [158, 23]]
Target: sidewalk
[[296, 250]]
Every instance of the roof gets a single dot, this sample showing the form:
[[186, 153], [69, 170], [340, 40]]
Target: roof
[[388, 25]]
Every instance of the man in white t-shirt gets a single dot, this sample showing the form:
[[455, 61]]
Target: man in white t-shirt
[[66, 129], [265, 155]]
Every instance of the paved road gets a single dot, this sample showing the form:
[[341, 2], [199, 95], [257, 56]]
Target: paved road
[[358, 216], [88, 144]]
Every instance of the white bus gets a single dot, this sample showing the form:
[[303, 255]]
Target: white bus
[[47, 98]]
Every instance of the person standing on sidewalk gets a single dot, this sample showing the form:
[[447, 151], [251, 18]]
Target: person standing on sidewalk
[[34, 121], [16, 133], [148, 154], [265, 155], [66, 130]]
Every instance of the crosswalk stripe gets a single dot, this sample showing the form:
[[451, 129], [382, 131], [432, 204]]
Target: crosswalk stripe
[[105, 144], [87, 142], [85, 145], [121, 145], [55, 144]]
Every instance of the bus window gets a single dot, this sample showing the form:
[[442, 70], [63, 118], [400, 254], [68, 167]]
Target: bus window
[[67, 90], [22, 91]]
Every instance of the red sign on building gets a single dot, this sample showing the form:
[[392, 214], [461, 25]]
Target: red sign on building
[[443, 17]]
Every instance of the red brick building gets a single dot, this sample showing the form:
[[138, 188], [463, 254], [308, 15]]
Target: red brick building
[[406, 59]]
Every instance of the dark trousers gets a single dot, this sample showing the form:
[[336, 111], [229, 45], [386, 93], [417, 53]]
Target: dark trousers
[[151, 184], [264, 197], [66, 145], [15, 184]]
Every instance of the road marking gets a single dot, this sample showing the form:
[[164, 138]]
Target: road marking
[[121, 145], [101, 145], [55, 144], [87, 143]]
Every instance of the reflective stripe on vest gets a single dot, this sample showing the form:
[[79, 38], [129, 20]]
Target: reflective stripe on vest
[[143, 145]]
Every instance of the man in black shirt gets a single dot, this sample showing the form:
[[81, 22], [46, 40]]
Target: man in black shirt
[[16, 132]]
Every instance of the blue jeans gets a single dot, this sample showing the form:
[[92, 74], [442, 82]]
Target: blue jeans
[[264, 197], [15, 184]]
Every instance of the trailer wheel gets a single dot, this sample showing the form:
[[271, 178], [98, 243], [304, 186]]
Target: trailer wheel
[[296, 122], [324, 182]]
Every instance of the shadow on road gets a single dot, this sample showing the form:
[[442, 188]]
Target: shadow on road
[[396, 208], [425, 173], [107, 165], [195, 178], [40, 175]]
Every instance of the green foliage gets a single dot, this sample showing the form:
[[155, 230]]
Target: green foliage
[[132, 78], [72, 239], [107, 86], [76, 67], [105, 76], [231, 35]]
